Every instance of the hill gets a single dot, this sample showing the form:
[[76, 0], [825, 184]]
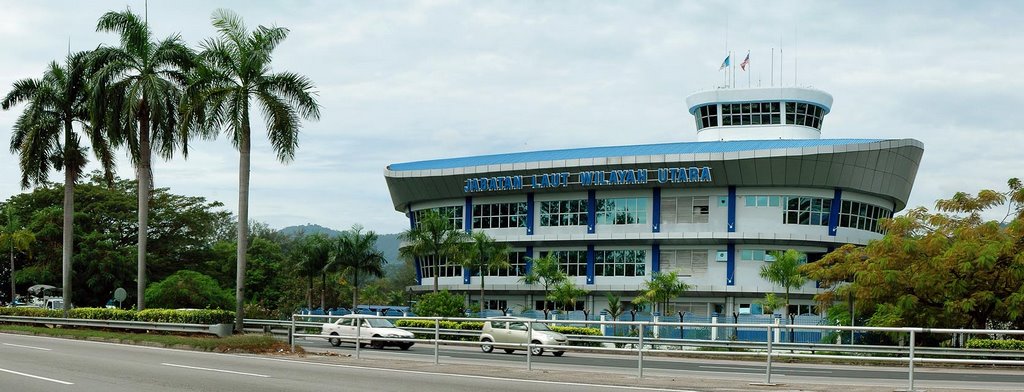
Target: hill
[[386, 243]]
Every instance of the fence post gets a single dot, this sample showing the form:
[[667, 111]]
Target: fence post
[[640, 354], [768, 367], [912, 338], [529, 345], [714, 330], [604, 329], [291, 333], [437, 339], [359, 323], [778, 331]]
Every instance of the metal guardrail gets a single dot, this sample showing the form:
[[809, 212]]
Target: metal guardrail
[[220, 330], [772, 348]]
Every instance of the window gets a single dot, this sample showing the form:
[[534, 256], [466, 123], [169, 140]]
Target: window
[[761, 201], [563, 213], [516, 266], [765, 255], [685, 262], [805, 114], [571, 262], [496, 304], [707, 116], [452, 213], [687, 209], [622, 211], [499, 215], [754, 113], [446, 269], [813, 211], [625, 262], [862, 216]]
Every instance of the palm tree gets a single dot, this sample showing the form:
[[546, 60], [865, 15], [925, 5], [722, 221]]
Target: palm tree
[[317, 250], [662, 288], [433, 236], [485, 254], [566, 293], [54, 104], [237, 73], [357, 255], [138, 87], [15, 237], [784, 272], [545, 271]]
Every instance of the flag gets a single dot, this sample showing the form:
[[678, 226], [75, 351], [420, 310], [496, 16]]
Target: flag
[[745, 62], [725, 63]]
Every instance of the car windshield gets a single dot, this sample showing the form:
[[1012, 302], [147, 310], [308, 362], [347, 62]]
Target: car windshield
[[380, 323], [540, 327]]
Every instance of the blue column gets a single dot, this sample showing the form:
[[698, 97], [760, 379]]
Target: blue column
[[655, 258], [656, 211], [467, 214], [590, 263], [833, 213], [530, 211], [730, 265], [419, 272], [591, 210], [412, 216], [732, 209], [466, 273]]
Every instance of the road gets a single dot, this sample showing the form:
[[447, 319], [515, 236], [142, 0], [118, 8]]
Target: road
[[32, 363]]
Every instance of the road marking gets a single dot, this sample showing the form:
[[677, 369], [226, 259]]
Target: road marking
[[216, 370], [808, 371], [34, 348], [749, 369], [36, 377], [392, 371]]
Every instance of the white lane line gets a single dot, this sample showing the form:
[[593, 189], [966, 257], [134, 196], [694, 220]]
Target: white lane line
[[749, 369], [36, 377], [215, 370], [34, 348]]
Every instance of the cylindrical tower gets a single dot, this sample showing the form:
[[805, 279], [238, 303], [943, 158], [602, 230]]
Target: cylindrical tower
[[759, 113]]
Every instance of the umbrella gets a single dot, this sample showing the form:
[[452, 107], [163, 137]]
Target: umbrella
[[39, 289]]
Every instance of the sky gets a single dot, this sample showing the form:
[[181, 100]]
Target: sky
[[404, 81]]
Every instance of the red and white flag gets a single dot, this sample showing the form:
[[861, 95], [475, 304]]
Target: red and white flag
[[745, 62]]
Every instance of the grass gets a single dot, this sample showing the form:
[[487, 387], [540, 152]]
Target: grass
[[251, 343]]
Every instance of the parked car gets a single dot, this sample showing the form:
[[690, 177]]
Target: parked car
[[345, 327], [509, 332]]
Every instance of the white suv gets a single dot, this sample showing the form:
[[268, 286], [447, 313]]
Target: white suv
[[508, 333]]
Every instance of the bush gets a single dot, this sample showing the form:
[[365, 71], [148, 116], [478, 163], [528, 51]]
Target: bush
[[1007, 344], [566, 330], [189, 289], [444, 324], [149, 315], [440, 304]]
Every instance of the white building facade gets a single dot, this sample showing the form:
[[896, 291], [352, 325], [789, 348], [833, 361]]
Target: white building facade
[[759, 179]]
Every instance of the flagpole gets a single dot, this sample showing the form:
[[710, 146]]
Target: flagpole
[[750, 69]]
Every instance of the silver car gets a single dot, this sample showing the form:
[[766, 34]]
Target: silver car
[[508, 333]]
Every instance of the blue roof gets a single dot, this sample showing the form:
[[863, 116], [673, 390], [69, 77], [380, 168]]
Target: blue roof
[[622, 151]]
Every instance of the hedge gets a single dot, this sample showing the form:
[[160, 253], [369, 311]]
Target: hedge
[[1007, 344], [575, 330], [198, 316], [477, 325]]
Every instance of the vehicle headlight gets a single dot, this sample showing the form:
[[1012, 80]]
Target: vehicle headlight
[[391, 335]]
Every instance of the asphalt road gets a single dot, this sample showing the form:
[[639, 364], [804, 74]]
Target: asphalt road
[[31, 363]]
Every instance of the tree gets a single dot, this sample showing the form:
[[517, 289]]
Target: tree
[[770, 303], [546, 272], [784, 272], [315, 254], [440, 304], [614, 308], [137, 92], [13, 236], [566, 293], [485, 254], [944, 269], [357, 255], [54, 103], [236, 73], [661, 289], [433, 236], [188, 289]]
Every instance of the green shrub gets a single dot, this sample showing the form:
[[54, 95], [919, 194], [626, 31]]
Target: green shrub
[[205, 316], [471, 325], [189, 289], [444, 324], [1006, 344], [440, 304], [567, 330]]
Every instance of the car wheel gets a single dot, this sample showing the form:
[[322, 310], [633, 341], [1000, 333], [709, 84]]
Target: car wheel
[[334, 341], [405, 346], [486, 345], [558, 353], [537, 350], [377, 344], [509, 351]]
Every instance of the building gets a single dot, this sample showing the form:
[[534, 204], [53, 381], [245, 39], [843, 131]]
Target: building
[[759, 178]]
